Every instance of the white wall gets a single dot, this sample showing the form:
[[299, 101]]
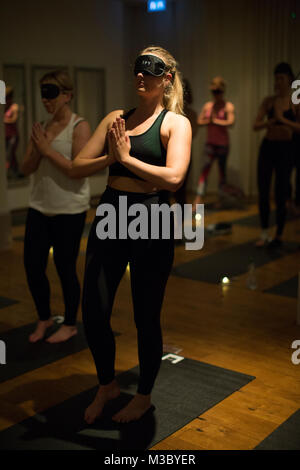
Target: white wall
[[142, 29], [241, 40]]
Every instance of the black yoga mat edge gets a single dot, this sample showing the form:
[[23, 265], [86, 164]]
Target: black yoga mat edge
[[182, 393]]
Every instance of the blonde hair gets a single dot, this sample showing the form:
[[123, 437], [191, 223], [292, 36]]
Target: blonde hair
[[61, 77], [218, 83], [173, 95]]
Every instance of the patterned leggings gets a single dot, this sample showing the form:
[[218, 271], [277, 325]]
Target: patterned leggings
[[212, 153]]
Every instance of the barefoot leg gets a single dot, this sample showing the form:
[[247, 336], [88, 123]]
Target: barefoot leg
[[40, 330], [64, 333], [104, 394], [135, 409]]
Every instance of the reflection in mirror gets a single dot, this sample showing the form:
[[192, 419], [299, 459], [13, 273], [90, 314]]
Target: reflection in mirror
[[15, 122]]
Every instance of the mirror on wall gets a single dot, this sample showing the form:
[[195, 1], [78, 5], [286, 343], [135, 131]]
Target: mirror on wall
[[88, 102], [90, 94], [15, 125]]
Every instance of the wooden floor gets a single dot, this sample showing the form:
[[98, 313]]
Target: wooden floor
[[233, 327]]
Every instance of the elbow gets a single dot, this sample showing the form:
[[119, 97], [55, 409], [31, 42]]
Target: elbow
[[175, 184], [72, 172]]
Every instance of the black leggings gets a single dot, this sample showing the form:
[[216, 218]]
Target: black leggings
[[62, 232], [296, 165], [277, 156], [150, 266]]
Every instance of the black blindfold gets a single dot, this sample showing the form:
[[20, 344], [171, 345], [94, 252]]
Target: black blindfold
[[149, 64], [50, 91]]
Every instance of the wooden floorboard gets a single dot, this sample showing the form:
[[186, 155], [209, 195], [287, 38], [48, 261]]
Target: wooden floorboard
[[232, 327]]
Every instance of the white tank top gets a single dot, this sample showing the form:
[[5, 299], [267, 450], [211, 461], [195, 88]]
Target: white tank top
[[53, 192]]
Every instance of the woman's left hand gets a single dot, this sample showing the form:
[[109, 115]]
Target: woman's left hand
[[119, 140], [40, 139]]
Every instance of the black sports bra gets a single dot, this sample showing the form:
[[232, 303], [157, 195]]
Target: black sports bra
[[146, 147], [288, 114]]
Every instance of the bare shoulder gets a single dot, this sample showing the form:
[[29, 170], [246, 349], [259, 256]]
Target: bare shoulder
[[174, 123], [207, 105], [107, 121], [229, 106], [14, 108], [175, 119], [81, 128], [81, 121], [111, 117]]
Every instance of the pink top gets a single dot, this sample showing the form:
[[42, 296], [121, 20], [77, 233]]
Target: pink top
[[11, 129], [217, 135]]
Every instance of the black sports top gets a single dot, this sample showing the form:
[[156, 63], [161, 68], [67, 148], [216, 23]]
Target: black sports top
[[288, 114], [146, 147]]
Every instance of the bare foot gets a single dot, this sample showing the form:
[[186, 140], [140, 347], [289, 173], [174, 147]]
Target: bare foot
[[40, 330], [63, 334], [104, 394], [135, 409], [261, 242]]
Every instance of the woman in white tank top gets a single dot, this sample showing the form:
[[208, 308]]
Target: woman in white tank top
[[57, 206]]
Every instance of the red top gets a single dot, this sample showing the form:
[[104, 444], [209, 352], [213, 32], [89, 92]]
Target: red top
[[11, 129], [217, 135]]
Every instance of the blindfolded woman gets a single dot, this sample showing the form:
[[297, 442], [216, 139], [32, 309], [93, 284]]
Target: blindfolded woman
[[147, 151]]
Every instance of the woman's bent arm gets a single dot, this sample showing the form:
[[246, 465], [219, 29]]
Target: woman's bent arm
[[230, 117], [260, 122], [88, 162], [81, 135], [171, 176], [31, 160], [202, 120]]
